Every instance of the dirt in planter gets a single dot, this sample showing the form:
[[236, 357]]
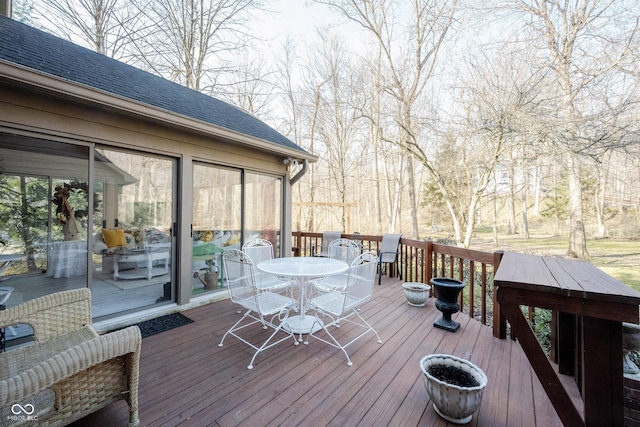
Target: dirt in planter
[[453, 375]]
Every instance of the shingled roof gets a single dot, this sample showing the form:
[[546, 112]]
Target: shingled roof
[[38, 50]]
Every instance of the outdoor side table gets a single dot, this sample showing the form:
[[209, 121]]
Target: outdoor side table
[[591, 307]]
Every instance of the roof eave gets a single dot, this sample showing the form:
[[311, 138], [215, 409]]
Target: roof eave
[[31, 77]]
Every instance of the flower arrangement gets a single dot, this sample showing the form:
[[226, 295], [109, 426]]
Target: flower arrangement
[[67, 195]]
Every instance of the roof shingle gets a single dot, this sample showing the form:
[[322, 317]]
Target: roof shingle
[[32, 48]]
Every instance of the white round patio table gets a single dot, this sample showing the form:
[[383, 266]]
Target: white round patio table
[[302, 269]]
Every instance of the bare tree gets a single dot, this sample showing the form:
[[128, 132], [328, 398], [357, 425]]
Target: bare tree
[[23, 11], [373, 111], [102, 25], [337, 120], [409, 51], [191, 42], [292, 124], [582, 50], [496, 96], [247, 85]]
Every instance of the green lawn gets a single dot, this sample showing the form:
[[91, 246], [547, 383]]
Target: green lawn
[[618, 258]]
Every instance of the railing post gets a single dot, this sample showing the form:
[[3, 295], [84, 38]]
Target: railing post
[[499, 320], [297, 235], [428, 251]]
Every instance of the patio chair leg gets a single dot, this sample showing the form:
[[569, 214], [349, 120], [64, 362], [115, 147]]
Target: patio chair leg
[[349, 363], [379, 341], [264, 345], [232, 329], [336, 343]]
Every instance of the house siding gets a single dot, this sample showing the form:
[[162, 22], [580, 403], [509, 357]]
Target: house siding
[[73, 121], [39, 113]]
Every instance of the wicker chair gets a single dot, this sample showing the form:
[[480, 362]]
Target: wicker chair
[[68, 371]]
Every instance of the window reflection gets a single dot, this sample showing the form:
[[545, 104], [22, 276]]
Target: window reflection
[[263, 208], [217, 217], [133, 246]]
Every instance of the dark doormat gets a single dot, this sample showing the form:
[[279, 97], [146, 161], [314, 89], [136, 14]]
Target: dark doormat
[[164, 323]]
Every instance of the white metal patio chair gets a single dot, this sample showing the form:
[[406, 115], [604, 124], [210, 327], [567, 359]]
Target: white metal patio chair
[[259, 304], [262, 250], [342, 305], [388, 254], [345, 250], [327, 237]]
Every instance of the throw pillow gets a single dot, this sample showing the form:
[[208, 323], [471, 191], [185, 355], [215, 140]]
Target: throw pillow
[[114, 238]]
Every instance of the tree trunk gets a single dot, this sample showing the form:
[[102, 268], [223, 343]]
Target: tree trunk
[[511, 200], [396, 199], [577, 236], [25, 231], [495, 208], [602, 172], [375, 140], [622, 174], [473, 205], [538, 184], [413, 202], [525, 185]]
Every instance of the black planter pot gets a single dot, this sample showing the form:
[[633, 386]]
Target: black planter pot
[[447, 291]]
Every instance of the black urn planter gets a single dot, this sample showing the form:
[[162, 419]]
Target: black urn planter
[[447, 291]]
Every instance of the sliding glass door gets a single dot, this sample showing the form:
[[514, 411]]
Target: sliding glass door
[[217, 223], [133, 245], [44, 221], [230, 207], [263, 208]]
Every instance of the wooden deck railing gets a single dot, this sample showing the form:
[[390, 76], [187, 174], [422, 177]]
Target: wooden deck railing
[[587, 308], [421, 260]]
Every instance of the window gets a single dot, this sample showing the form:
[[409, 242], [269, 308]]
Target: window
[[227, 212]]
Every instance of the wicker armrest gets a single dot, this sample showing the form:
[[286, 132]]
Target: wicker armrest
[[51, 315], [70, 362], [84, 371]]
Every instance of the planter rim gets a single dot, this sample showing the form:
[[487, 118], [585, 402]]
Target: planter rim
[[447, 281], [443, 359], [416, 285]]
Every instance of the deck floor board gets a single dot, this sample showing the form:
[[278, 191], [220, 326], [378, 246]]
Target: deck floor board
[[186, 379]]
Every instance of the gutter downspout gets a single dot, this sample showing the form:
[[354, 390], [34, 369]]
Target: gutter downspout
[[300, 173], [6, 8]]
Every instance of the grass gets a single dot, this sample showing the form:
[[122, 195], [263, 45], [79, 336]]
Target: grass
[[620, 258]]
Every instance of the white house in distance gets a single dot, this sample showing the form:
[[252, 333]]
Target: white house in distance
[[118, 180]]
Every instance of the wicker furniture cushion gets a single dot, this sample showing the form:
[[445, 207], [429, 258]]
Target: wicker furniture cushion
[[69, 371]]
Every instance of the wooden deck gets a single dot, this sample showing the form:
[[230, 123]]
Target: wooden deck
[[186, 379]]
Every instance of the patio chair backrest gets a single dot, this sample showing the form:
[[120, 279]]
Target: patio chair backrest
[[344, 249], [389, 247], [240, 277], [328, 237], [258, 250], [362, 274]]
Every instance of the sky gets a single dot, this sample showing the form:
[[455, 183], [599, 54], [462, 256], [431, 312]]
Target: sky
[[291, 17], [295, 18]]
